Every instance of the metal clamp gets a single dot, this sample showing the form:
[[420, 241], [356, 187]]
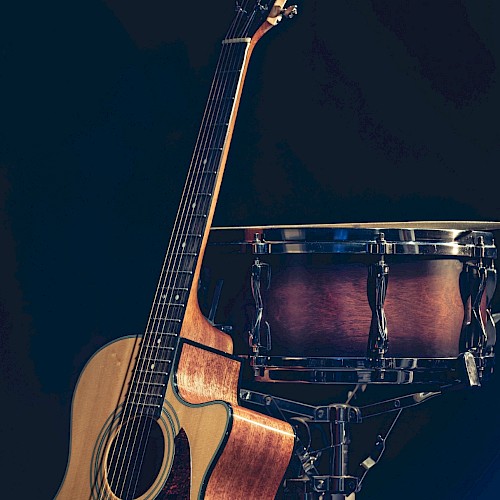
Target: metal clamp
[[259, 246], [380, 247]]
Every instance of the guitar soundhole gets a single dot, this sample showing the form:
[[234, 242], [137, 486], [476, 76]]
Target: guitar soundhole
[[135, 458]]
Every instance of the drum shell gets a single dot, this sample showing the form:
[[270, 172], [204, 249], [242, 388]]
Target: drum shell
[[317, 302], [317, 305]]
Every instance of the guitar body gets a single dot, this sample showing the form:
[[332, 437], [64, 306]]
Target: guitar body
[[234, 452]]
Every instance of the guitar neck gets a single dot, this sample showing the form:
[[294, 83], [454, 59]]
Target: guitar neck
[[195, 213], [200, 192], [204, 176]]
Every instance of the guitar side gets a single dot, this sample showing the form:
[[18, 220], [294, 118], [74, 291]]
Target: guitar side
[[201, 399]]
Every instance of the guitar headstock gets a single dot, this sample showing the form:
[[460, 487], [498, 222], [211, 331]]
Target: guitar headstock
[[255, 17]]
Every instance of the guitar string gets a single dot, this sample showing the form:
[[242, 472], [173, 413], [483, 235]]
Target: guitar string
[[202, 180], [151, 347], [144, 347], [206, 160], [203, 183], [218, 114], [146, 342]]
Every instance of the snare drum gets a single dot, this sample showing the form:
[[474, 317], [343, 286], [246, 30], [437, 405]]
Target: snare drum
[[327, 298]]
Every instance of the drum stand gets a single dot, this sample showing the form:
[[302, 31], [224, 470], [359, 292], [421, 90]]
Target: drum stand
[[337, 482], [322, 469]]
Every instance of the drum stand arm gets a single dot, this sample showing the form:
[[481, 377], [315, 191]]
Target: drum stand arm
[[311, 482]]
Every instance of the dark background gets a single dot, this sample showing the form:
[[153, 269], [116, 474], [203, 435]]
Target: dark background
[[353, 111]]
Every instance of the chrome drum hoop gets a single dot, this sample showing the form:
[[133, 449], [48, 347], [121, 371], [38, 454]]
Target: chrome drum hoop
[[332, 239], [358, 370]]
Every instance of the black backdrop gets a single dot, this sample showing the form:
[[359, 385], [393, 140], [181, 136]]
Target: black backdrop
[[353, 111]]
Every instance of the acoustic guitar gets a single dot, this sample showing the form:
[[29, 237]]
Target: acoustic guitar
[[138, 395]]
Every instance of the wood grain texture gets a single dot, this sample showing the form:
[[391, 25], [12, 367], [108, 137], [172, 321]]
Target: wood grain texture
[[99, 394], [325, 310], [217, 431], [318, 311], [258, 448], [425, 309], [255, 458], [179, 479], [204, 376], [206, 427], [195, 327], [318, 306], [207, 411]]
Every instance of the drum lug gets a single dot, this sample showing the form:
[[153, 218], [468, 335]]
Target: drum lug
[[478, 284], [479, 248], [490, 325], [258, 339], [378, 277]]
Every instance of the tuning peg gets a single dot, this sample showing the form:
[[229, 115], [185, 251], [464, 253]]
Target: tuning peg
[[239, 8], [277, 13], [289, 12]]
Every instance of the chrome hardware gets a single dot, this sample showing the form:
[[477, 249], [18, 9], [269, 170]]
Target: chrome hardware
[[480, 335], [356, 240], [259, 246], [490, 326], [289, 12], [262, 8], [479, 249], [381, 246], [335, 419], [378, 277], [277, 12], [255, 334], [333, 423], [477, 282], [379, 447], [355, 370], [470, 369], [333, 239], [240, 9]]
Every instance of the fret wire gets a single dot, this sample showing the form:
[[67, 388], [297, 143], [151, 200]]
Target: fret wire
[[156, 384], [211, 184]]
